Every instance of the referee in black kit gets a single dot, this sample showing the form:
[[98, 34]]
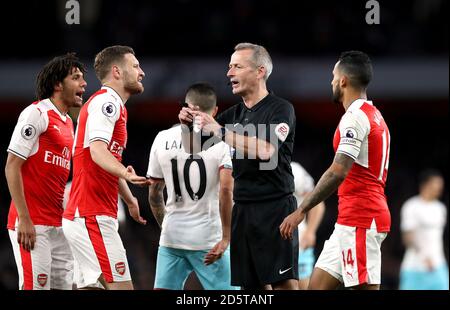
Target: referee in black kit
[[260, 130]]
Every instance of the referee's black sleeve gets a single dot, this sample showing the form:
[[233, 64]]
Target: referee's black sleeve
[[282, 124]]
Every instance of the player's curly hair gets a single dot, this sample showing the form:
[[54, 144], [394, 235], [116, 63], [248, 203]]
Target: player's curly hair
[[54, 72]]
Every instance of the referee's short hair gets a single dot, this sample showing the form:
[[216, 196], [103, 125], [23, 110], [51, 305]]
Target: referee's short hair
[[202, 95], [261, 57], [357, 67]]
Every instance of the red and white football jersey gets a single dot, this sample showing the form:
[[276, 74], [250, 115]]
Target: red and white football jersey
[[43, 137], [363, 135], [94, 190]]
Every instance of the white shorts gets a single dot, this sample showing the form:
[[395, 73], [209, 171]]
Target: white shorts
[[49, 265], [353, 255], [79, 279], [98, 249]]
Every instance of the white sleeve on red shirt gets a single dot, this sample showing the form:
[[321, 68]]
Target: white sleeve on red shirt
[[154, 168], [25, 138], [102, 118], [354, 128]]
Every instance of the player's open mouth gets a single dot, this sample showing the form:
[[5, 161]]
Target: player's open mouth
[[234, 83], [79, 95]]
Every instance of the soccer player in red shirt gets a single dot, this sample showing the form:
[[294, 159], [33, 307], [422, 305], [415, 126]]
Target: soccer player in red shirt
[[90, 219], [37, 170], [352, 255]]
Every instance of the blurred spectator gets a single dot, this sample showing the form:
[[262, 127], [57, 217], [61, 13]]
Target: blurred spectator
[[423, 219]]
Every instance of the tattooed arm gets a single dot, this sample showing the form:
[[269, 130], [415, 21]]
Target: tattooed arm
[[328, 183], [156, 200]]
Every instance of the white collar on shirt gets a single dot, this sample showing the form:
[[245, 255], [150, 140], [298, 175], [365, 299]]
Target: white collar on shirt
[[113, 93], [355, 105], [49, 104]]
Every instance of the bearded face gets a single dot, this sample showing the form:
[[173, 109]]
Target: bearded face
[[337, 94], [132, 75], [132, 82], [337, 91]]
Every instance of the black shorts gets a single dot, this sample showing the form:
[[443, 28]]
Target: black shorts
[[259, 255]]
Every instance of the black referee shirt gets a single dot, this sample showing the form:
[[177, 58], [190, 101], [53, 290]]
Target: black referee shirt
[[273, 119]]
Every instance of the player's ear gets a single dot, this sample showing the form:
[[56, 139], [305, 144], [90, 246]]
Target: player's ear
[[58, 86], [116, 72], [261, 71], [343, 81], [214, 113]]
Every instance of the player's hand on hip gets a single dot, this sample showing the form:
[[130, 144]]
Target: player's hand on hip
[[290, 223], [216, 252], [133, 208], [26, 233]]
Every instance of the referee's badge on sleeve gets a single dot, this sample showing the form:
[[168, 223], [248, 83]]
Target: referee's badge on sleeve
[[282, 131]]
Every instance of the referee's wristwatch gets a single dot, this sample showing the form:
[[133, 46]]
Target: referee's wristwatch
[[221, 133]]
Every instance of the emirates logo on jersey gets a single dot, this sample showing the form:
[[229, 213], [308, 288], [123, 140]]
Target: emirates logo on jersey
[[116, 148], [66, 153], [42, 279], [120, 268], [62, 160]]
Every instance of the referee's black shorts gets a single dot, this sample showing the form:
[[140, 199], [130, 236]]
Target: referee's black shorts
[[259, 255]]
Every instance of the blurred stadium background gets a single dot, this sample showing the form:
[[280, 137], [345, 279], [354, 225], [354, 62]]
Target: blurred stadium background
[[185, 41]]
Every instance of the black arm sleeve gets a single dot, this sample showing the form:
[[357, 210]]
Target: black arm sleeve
[[281, 124]]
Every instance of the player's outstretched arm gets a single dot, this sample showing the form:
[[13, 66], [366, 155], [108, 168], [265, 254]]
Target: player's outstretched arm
[[328, 184], [26, 233], [131, 201], [103, 157], [156, 200]]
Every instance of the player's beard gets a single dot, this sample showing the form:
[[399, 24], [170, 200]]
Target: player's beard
[[132, 85], [337, 94], [69, 98]]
